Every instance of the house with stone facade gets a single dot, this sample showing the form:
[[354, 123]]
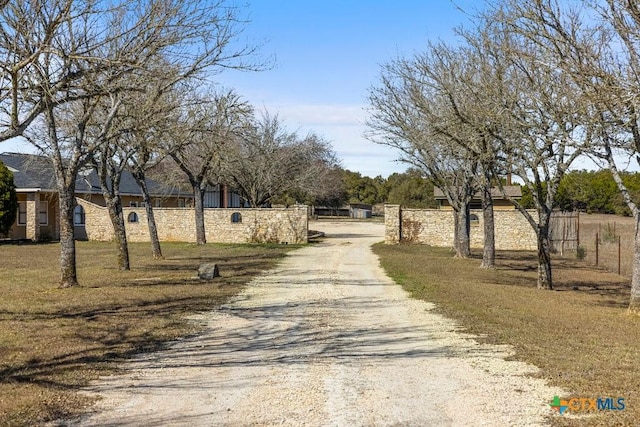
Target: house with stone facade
[[227, 219], [38, 212]]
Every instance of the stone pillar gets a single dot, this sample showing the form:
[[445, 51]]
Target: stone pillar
[[392, 224], [302, 213], [33, 216]]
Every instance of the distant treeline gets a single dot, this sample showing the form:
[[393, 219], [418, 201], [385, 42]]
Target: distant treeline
[[586, 191], [592, 192], [409, 189]]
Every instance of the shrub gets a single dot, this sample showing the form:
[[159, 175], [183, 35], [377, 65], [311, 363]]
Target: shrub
[[8, 200]]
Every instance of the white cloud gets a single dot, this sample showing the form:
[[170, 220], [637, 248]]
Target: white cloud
[[322, 115]]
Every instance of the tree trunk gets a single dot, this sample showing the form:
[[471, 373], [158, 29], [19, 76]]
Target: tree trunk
[[463, 242], [456, 231], [489, 249], [67, 203], [114, 206], [198, 194], [151, 220], [544, 253], [634, 300]]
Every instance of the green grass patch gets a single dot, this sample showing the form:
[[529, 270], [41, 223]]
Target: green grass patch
[[53, 341], [579, 335]]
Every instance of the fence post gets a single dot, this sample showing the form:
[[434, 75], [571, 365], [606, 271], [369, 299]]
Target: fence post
[[578, 230], [618, 254], [564, 236], [597, 249]]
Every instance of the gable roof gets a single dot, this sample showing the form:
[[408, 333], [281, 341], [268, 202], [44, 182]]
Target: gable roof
[[513, 191], [29, 171], [36, 172]]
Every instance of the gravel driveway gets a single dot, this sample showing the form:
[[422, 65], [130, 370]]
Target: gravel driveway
[[325, 339]]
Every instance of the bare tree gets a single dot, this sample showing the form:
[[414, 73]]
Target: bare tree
[[330, 189], [208, 126], [149, 145], [460, 113], [63, 56], [269, 161], [75, 52], [201, 37], [49, 62], [612, 76], [403, 115], [29, 32], [597, 43], [543, 126]]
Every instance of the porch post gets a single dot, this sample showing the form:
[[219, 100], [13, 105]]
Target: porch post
[[33, 214]]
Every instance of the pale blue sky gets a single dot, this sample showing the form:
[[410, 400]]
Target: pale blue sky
[[327, 55]]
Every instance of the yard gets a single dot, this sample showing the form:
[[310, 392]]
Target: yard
[[54, 341], [615, 237], [579, 335]]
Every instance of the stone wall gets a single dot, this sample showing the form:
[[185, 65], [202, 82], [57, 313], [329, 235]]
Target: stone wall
[[436, 227], [279, 225], [392, 229]]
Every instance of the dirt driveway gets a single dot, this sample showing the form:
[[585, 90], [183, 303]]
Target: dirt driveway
[[326, 339]]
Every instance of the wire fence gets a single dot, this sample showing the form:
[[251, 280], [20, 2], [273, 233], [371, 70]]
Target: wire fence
[[608, 242], [605, 241]]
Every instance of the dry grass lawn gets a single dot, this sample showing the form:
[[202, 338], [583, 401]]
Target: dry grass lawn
[[579, 335], [53, 341]]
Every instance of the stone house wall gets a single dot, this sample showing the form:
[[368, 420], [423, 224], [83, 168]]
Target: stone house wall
[[278, 225], [436, 227], [37, 206]]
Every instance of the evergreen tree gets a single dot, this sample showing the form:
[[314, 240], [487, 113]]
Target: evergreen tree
[[8, 200]]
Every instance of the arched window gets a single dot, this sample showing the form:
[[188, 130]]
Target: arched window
[[236, 217], [474, 220], [133, 217], [78, 215]]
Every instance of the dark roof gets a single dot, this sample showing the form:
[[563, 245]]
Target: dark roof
[[33, 171], [513, 191], [30, 171]]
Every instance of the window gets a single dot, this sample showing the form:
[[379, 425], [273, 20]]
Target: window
[[236, 217], [133, 217], [22, 213], [474, 220], [157, 203], [133, 204], [78, 215], [43, 215], [181, 203]]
